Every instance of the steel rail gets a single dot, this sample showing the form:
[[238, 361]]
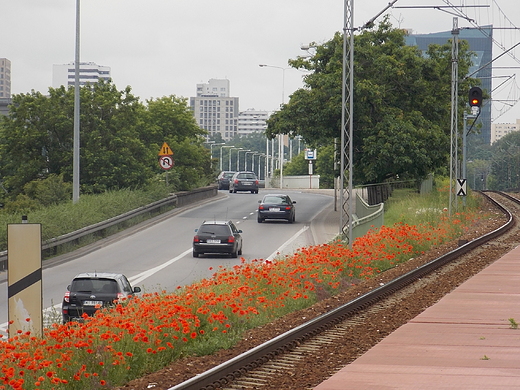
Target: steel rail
[[226, 372]]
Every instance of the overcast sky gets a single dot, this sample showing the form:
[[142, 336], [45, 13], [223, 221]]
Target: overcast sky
[[165, 47]]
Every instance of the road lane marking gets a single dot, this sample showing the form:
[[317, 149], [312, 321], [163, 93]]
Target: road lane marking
[[146, 274], [289, 241]]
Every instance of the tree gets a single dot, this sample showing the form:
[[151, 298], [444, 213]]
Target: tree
[[169, 119], [505, 163], [401, 103]]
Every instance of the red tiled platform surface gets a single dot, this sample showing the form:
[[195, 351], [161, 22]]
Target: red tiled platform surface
[[465, 341]]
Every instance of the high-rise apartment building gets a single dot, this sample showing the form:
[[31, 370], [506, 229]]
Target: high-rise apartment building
[[214, 110], [252, 121], [89, 72], [498, 130], [5, 78]]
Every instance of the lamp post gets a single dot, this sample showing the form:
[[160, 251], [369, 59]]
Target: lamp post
[[280, 136], [76, 138], [238, 157], [245, 156], [222, 147], [230, 155]]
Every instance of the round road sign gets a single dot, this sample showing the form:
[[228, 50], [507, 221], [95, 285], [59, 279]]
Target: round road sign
[[166, 162]]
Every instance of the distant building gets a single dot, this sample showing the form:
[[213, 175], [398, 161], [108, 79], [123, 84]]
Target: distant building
[[5, 78], [498, 130], [481, 43], [214, 110], [252, 121], [4, 105], [89, 72]]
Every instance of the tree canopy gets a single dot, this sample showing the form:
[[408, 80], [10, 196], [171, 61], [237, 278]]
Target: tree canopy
[[120, 139], [402, 101]]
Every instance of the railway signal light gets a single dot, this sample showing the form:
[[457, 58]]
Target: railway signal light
[[475, 97]]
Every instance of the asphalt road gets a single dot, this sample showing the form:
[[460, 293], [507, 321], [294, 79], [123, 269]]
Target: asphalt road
[[157, 254]]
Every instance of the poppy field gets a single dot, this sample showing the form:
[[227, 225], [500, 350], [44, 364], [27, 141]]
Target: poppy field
[[147, 332]]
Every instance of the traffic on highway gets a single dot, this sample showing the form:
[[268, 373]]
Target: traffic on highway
[[160, 257]]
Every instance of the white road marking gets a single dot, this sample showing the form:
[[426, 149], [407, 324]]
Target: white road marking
[[290, 240]]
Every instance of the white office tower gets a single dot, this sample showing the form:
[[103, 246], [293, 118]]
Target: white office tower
[[89, 72], [214, 110], [252, 121], [5, 78]]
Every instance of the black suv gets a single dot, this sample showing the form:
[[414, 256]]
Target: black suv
[[223, 179], [90, 292], [244, 181], [217, 237]]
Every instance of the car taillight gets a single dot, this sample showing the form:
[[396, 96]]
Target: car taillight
[[261, 207], [287, 207], [66, 297], [196, 239], [231, 239], [256, 182]]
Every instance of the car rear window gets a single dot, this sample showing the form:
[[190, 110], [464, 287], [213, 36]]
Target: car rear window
[[276, 200], [219, 230], [249, 176], [107, 286]]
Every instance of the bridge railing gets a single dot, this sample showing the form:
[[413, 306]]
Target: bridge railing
[[52, 246]]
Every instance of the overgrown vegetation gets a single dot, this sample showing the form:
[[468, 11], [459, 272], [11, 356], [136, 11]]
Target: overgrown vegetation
[[65, 217], [152, 330]]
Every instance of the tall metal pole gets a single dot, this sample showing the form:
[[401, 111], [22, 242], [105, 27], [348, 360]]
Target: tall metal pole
[[346, 198], [76, 143], [454, 161]]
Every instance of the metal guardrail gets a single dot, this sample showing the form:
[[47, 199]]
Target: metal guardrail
[[179, 199]]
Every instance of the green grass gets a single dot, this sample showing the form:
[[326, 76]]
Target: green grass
[[90, 209], [409, 207]]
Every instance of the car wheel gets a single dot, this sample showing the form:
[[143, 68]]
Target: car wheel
[[240, 251], [256, 192], [195, 254], [230, 191], [260, 220], [234, 254], [234, 191], [252, 191]]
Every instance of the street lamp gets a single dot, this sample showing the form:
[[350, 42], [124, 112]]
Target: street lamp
[[230, 155], [238, 157], [280, 136], [245, 156], [222, 147], [76, 133]]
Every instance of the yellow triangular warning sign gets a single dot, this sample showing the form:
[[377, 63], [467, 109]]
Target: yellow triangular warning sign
[[165, 150]]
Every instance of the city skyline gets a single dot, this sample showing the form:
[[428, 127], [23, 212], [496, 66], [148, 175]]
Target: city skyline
[[168, 48]]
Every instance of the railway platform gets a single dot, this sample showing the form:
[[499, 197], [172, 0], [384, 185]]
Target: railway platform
[[467, 340]]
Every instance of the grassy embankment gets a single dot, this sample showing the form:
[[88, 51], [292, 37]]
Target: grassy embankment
[[153, 330]]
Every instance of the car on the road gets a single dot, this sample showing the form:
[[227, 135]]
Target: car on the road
[[221, 237], [276, 206], [88, 292], [244, 181], [223, 179]]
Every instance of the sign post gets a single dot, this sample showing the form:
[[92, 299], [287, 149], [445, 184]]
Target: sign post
[[310, 155], [166, 161], [24, 278]]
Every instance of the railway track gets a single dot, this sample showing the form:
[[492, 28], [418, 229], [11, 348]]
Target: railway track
[[304, 356]]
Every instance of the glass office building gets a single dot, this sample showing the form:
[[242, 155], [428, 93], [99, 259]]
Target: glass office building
[[481, 43]]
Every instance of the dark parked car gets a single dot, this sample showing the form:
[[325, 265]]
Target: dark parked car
[[244, 181], [90, 292], [223, 179], [276, 206], [217, 237]]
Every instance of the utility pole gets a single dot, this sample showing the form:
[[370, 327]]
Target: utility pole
[[454, 171]]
